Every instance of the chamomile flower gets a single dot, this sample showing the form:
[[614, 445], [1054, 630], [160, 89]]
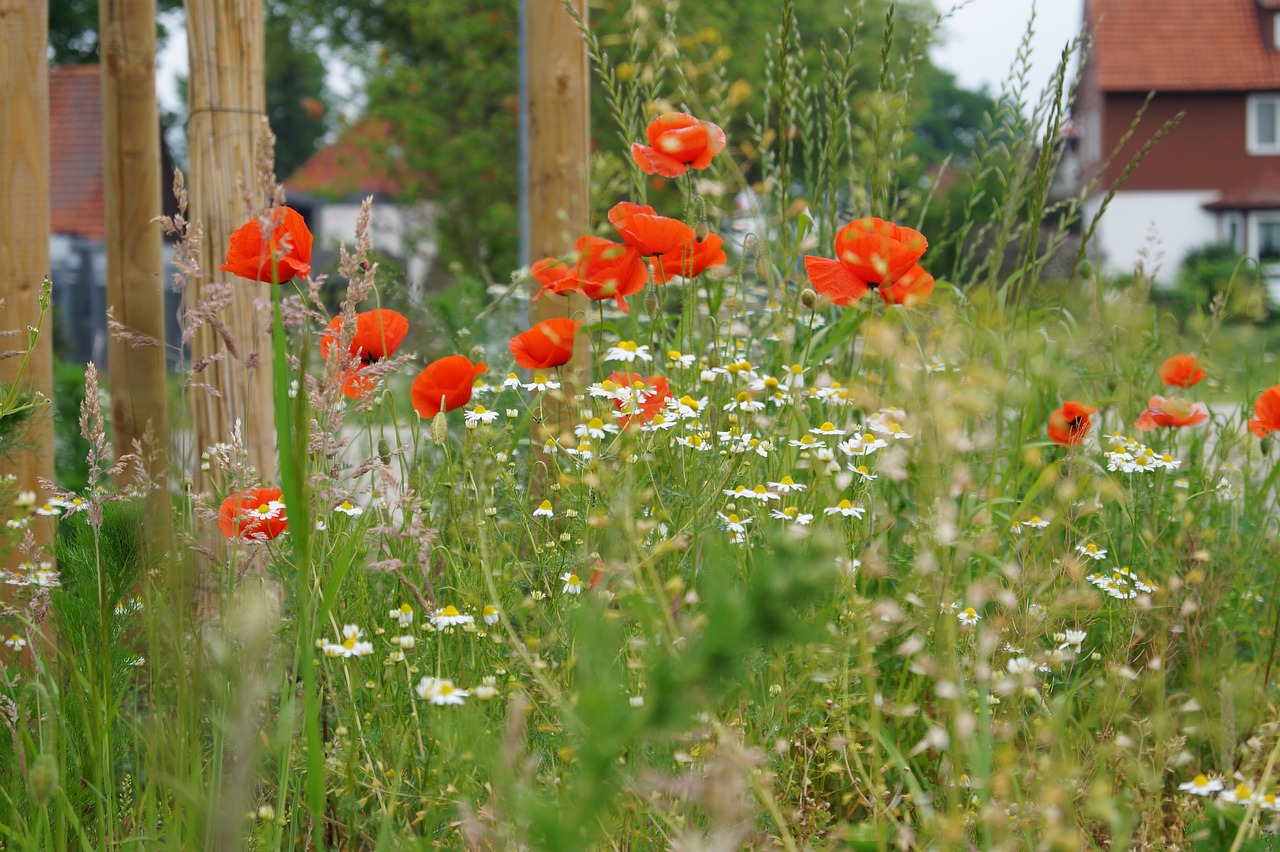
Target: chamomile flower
[[733, 523], [440, 691], [676, 358], [627, 350], [1073, 640], [511, 382], [487, 689], [541, 383], [863, 473], [697, 441], [544, 510], [659, 423], [449, 616], [787, 485], [349, 509], [48, 510], [968, 616], [490, 614], [1167, 462], [827, 430], [845, 508], [15, 642], [863, 444], [686, 407], [406, 642], [791, 513], [595, 428], [572, 583], [1092, 551], [744, 402], [479, 414], [1241, 795], [403, 615]]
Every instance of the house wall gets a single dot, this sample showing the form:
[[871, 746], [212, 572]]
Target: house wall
[[1162, 224], [406, 233]]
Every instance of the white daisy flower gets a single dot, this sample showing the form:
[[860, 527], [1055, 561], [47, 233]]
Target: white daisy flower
[[572, 583], [440, 691], [449, 616], [627, 350], [845, 508], [348, 508], [544, 510]]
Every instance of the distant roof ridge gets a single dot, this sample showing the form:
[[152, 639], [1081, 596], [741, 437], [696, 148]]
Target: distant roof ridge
[[348, 165], [1188, 46]]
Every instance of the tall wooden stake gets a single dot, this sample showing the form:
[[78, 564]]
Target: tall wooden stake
[[135, 263], [556, 152], [24, 224], [227, 101]]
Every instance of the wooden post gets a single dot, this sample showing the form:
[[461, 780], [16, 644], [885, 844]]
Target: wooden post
[[556, 149], [135, 263], [227, 100], [24, 224]]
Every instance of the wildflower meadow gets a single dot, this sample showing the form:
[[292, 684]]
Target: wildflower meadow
[[858, 529]]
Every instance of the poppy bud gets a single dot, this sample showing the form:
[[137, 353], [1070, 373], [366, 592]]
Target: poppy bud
[[43, 778], [701, 231], [651, 303], [809, 298], [384, 450], [440, 428], [762, 269]]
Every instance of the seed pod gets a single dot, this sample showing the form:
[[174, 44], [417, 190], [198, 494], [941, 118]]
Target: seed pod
[[809, 298], [43, 777], [384, 449], [651, 302], [440, 428]]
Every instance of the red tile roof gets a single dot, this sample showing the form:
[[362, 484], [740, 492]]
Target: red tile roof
[[361, 162], [1183, 45], [75, 152], [1261, 192]]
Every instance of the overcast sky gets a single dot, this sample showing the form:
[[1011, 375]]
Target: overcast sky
[[980, 41]]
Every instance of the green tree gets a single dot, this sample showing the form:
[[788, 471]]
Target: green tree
[[73, 29], [296, 94]]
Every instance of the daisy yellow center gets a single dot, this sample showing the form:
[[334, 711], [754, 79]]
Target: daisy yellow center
[[786, 480], [573, 580], [674, 355], [1092, 548], [862, 468], [545, 504], [771, 383], [480, 409], [828, 426], [807, 439], [608, 385], [595, 423], [970, 612], [868, 437], [893, 427], [844, 504], [760, 489], [790, 511], [446, 688], [658, 419], [734, 519], [743, 396], [689, 402], [349, 643], [512, 376], [696, 440], [346, 504], [264, 509], [1201, 781], [539, 379], [406, 609], [1035, 519], [627, 346], [450, 611], [490, 609], [796, 369], [1243, 792]]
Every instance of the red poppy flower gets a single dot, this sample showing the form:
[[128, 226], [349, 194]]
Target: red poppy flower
[[444, 385], [378, 335], [648, 394], [1181, 370], [690, 260], [252, 256], [603, 270], [1172, 412], [873, 253], [1266, 413], [548, 344], [255, 514], [1070, 423], [677, 142], [650, 233]]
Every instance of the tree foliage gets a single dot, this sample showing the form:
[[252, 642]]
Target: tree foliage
[[73, 29]]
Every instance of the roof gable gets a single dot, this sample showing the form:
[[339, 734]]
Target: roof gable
[[362, 161], [1183, 45]]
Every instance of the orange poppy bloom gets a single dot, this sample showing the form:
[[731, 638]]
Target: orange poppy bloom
[[378, 335], [548, 344], [1266, 413], [1172, 412], [603, 270], [255, 514], [650, 233], [690, 260], [252, 256], [1070, 423], [649, 395], [444, 385], [677, 142], [873, 253], [1181, 370]]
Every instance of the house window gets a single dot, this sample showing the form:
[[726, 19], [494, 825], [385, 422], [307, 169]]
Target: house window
[[1232, 230], [1263, 130], [1268, 245]]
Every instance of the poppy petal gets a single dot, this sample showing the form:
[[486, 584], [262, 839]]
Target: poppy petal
[[834, 281], [654, 162]]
